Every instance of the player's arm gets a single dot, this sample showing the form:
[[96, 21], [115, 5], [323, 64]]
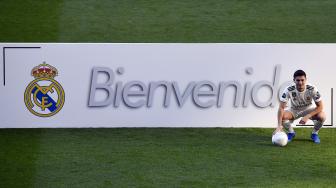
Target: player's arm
[[283, 103], [318, 109], [281, 111]]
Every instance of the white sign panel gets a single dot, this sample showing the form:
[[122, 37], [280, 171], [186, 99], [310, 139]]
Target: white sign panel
[[155, 85]]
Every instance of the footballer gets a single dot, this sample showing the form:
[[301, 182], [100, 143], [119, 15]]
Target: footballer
[[301, 96]]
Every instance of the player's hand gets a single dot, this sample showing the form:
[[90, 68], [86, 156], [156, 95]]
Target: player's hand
[[278, 129], [304, 120]]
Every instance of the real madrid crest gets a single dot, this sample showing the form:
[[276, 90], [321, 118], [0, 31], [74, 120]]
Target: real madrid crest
[[44, 96]]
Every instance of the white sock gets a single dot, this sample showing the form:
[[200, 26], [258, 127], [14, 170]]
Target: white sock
[[317, 127], [288, 125]]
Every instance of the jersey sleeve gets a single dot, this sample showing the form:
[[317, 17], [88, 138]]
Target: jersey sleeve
[[316, 95], [284, 96]]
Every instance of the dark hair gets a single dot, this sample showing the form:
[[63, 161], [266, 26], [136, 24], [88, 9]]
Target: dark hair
[[299, 73]]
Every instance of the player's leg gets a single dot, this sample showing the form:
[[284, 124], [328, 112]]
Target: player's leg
[[287, 121], [318, 120]]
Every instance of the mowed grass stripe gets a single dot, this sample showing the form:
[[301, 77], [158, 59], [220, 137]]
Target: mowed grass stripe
[[198, 21], [29, 21]]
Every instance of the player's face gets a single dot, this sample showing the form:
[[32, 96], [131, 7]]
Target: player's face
[[300, 82]]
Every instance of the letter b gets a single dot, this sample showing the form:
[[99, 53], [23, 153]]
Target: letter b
[[104, 86]]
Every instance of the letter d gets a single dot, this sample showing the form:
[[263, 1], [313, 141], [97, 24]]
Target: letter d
[[272, 87]]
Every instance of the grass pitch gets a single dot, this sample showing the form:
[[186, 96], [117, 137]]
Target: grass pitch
[[168, 21], [165, 157], [211, 157]]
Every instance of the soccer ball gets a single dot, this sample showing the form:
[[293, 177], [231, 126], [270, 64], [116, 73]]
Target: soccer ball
[[280, 139]]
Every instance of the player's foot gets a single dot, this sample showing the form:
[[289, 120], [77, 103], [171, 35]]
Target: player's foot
[[315, 138], [290, 136]]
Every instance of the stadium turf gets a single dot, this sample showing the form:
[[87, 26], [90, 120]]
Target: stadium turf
[[158, 157], [165, 157], [168, 21]]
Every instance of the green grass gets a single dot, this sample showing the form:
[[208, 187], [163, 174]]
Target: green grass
[[160, 157], [165, 157], [168, 21]]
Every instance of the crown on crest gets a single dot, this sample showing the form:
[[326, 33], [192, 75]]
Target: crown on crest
[[44, 71]]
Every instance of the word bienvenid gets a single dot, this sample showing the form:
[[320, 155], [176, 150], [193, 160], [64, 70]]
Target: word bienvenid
[[204, 94]]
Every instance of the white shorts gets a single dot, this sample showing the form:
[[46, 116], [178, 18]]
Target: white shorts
[[297, 113]]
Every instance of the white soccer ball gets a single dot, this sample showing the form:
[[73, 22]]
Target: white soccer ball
[[280, 139]]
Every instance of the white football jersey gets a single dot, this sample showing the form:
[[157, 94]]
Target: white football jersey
[[300, 100]]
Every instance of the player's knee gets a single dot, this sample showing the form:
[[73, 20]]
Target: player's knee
[[321, 117], [287, 116]]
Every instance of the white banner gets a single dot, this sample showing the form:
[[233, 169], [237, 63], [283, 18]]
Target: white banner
[[155, 85]]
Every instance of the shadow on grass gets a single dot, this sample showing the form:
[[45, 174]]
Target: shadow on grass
[[266, 144], [302, 140]]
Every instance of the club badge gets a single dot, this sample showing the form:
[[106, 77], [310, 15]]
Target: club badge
[[44, 96]]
